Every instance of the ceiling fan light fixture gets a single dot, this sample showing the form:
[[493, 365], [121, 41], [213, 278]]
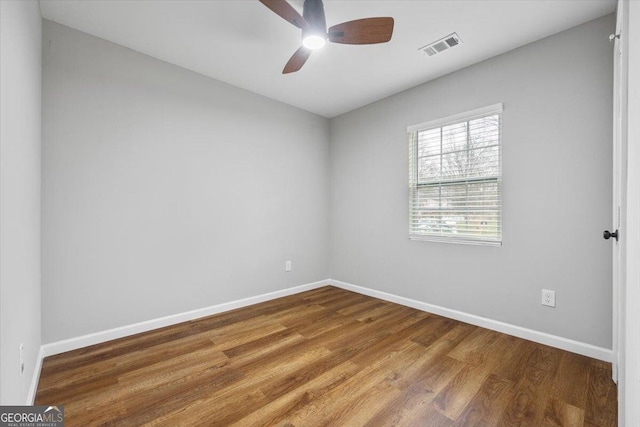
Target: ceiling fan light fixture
[[314, 29], [313, 41]]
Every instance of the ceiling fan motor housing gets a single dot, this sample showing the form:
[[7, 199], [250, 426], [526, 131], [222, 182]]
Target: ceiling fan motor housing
[[313, 13]]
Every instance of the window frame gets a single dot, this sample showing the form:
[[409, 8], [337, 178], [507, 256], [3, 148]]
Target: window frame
[[415, 184]]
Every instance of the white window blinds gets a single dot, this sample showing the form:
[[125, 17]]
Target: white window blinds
[[455, 178]]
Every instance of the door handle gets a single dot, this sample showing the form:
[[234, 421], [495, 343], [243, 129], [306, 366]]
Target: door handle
[[607, 235]]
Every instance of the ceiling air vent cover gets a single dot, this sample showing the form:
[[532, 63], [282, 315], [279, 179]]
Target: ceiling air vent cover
[[441, 45]]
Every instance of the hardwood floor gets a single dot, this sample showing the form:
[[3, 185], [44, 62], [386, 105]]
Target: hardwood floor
[[327, 357]]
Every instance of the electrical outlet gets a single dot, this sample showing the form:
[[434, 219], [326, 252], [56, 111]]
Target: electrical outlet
[[548, 298], [21, 359], [287, 266]]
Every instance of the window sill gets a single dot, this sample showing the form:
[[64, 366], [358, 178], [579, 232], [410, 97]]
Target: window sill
[[459, 241]]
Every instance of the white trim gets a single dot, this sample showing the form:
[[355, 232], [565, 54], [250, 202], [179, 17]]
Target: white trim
[[454, 240], [629, 389], [495, 325], [31, 397], [111, 334], [619, 173], [148, 325], [495, 108]]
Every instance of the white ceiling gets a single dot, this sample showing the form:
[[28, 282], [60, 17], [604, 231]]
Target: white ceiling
[[243, 43]]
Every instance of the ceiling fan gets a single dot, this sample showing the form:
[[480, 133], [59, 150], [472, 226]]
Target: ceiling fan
[[315, 34]]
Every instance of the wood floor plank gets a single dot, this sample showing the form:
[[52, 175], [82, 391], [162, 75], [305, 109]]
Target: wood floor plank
[[562, 414], [339, 403], [476, 347], [312, 327], [123, 346], [326, 295], [137, 373], [434, 329], [419, 412], [572, 379], [296, 312], [431, 366], [487, 406], [413, 403], [282, 408], [327, 357], [306, 374], [452, 400], [117, 365], [225, 338], [362, 307], [528, 405], [226, 405], [513, 364], [344, 302], [403, 330], [153, 397], [365, 406], [600, 392], [353, 352]]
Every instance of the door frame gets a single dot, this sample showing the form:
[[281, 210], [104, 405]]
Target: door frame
[[619, 174]]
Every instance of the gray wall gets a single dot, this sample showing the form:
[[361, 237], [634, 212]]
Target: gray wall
[[20, 104], [166, 191], [557, 172]]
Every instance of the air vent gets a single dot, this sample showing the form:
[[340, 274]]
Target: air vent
[[441, 45]]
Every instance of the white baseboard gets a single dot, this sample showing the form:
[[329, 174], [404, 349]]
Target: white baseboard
[[31, 397], [111, 334], [124, 331], [578, 347]]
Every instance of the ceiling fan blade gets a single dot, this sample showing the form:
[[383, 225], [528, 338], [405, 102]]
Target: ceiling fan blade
[[362, 31], [286, 11], [297, 60]]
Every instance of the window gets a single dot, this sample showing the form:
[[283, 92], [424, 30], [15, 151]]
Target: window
[[455, 178]]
